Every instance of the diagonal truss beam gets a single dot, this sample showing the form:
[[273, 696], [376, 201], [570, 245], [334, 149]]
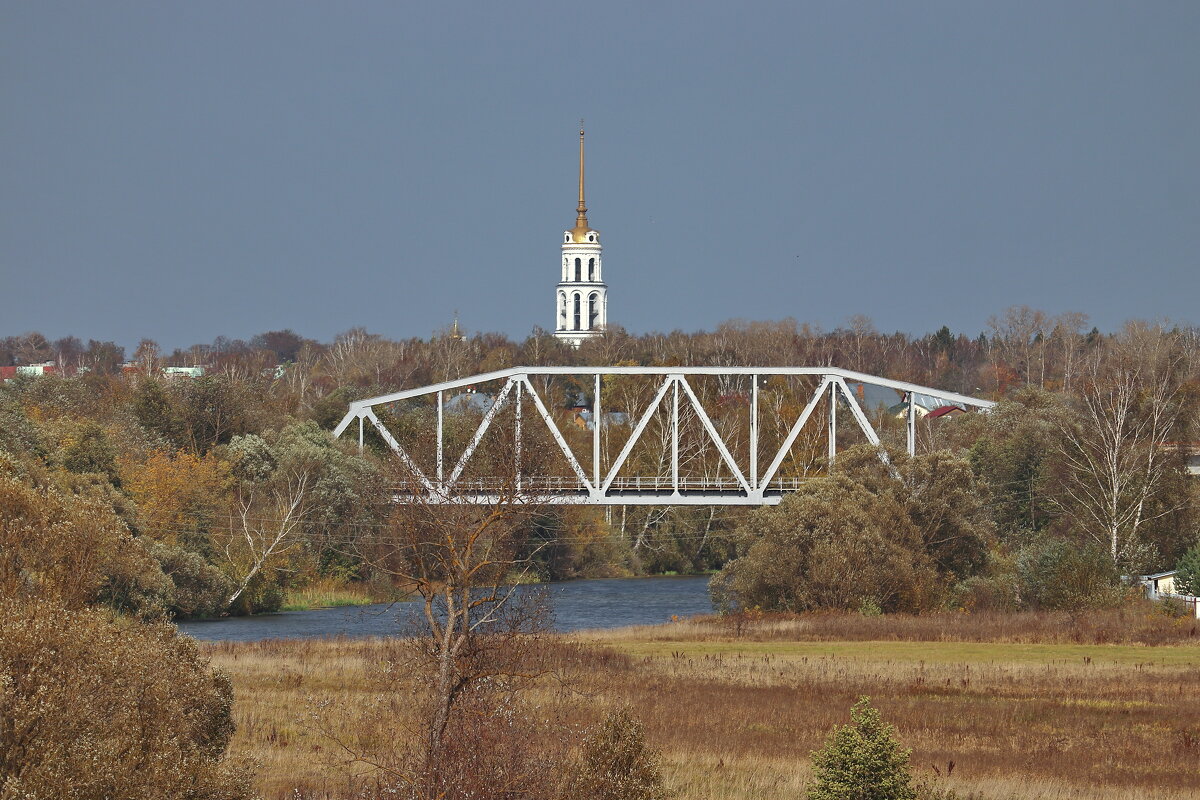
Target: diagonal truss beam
[[398, 450], [857, 411], [556, 433], [637, 432], [712, 432], [793, 433], [865, 424], [478, 437]]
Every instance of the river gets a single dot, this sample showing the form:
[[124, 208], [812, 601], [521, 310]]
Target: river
[[577, 605]]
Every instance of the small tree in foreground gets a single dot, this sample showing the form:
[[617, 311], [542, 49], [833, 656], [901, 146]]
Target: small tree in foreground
[[617, 764], [862, 761]]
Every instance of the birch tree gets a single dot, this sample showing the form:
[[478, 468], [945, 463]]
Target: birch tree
[[1114, 460], [292, 489]]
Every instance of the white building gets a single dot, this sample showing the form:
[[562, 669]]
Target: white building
[[582, 296]]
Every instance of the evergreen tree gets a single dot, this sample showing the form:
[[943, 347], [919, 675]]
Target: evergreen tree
[[862, 761], [1187, 572]]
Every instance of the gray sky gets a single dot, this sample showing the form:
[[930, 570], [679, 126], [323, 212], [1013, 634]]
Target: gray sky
[[184, 170]]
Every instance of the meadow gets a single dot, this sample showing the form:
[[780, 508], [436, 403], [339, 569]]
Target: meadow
[[1105, 705]]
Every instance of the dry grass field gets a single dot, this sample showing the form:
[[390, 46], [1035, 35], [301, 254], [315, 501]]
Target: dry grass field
[[1023, 706]]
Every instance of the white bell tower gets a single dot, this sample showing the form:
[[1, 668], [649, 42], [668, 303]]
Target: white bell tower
[[582, 300]]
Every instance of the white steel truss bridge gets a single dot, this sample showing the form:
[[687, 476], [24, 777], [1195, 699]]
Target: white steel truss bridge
[[645, 436]]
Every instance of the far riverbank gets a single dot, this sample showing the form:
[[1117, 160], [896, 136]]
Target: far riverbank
[[577, 605]]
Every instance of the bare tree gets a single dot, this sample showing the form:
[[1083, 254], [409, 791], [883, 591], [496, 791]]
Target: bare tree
[[478, 638]]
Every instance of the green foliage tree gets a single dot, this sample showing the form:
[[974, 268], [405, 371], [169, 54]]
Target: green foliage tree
[[1011, 458], [617, 764], [297, 493], [942, 497], [1187, 572], [833, 544], [158, 411], [862, 761]]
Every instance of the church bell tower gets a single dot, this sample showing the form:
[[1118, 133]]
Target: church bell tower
[[582, 302]]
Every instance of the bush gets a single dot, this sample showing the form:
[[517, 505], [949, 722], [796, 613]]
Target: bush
[[1053, 574], [862, 761], [995, 592], [617, 764], [198, 588], [102, 708], [73, 548]]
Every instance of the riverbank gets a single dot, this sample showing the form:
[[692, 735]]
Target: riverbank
[[337, 594], [736, 713]]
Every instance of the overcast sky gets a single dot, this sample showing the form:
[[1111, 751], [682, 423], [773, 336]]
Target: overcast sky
[[187, 170]]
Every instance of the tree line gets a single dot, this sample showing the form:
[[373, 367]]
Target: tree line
[[234, 495]]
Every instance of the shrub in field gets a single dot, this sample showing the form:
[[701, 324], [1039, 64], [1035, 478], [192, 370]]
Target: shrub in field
[[617, 764], [862, 761], [97, 707]]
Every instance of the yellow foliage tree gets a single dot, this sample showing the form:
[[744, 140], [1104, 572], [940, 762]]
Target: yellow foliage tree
[[178, 494]]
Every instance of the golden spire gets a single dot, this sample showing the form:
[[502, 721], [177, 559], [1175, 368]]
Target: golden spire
[[581, 210], [580, 233]]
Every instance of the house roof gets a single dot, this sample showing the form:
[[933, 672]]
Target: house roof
[[1158, 575]]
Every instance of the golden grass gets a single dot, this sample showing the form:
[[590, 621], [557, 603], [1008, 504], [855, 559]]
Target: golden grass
[[737, 717]]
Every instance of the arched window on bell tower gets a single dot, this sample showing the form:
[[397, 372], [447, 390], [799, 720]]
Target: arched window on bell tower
[[593, 311], [578, 312], [591, 269], [578, 269]]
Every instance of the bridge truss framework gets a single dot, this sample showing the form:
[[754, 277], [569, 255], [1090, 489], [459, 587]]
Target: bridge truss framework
[[597, 486]]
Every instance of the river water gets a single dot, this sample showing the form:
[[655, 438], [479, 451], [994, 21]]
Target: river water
[[577, 605]]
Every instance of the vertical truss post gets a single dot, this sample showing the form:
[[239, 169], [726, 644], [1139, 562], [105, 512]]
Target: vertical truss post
[[517, 437], [360, 434], [833, 393], [912, 425], [440, 446], [675, 438], [754, 432], [596, 417]]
